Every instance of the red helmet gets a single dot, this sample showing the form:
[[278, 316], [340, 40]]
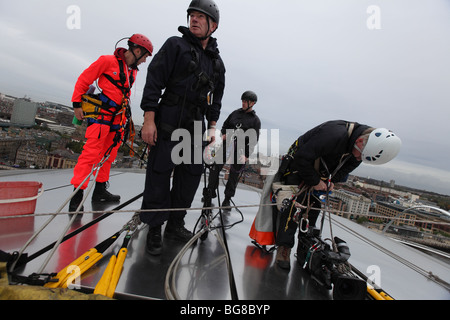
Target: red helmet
[[142, 41]]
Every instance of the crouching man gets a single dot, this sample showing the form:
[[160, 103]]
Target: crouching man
[[319, 158]]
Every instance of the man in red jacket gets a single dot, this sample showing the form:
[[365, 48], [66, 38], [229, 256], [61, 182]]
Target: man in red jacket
[[106, 113]]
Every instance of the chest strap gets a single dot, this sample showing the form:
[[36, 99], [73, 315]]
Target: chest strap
[[121, 83]]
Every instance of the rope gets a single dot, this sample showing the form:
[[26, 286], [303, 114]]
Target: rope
[[140, 210], [53, 215], [219, 207], [72, 220], [206, 219], [223, 241], [425, 273], [84, 227]]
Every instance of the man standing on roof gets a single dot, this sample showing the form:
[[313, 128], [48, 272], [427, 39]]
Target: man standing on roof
[[107, 113], [248, 122], [319, 158], [191, 73]]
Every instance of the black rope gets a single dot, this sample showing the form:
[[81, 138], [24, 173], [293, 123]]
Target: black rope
[[207, 203], [79, 230], [234, 294]]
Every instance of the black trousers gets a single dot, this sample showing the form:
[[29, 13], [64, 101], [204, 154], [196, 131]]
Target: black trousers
[[233, 177], [158, 191]]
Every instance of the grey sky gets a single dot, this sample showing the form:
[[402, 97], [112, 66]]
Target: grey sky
[[309, 61]]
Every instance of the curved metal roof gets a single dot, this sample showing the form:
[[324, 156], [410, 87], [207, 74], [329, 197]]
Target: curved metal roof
[[402, 271]]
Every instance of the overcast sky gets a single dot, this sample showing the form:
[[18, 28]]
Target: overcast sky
[[381, 63]]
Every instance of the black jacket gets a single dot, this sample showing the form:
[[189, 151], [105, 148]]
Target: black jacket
[[244, 120], [331, 142], [176, 69]]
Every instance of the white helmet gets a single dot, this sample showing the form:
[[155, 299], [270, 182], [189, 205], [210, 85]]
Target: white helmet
[[381, 147]]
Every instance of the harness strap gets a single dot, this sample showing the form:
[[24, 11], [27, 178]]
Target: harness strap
[[114, 127], [126, 126], [171, 99], [204, 83], [120, 84], [350, 126], [97, 107], [294, 147]]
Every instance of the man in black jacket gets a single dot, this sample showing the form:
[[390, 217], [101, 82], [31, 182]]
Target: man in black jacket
[[321, 157], [191, 73], [242, 124]]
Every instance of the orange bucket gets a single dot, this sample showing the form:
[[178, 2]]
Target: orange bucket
[[19, 197]]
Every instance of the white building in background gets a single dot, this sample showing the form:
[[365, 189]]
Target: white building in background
[[356, 203], [62, 129], [23, 113]]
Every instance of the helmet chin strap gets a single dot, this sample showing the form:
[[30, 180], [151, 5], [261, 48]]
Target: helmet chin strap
[[207, 31], [136, 59], [248, 106], [357, 148]]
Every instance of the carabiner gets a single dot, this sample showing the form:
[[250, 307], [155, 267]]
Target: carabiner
[[297, 215], [210, 98], [306, 226]]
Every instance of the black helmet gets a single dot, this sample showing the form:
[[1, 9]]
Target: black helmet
[[207, 7], [249, 96]]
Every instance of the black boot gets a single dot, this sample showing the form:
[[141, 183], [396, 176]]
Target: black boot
[[226, 203], [283, 258], [76, 200], [154, 243], [103, 195], [179, 233]]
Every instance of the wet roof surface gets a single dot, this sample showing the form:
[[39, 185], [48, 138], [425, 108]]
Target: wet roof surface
[[202, 271]]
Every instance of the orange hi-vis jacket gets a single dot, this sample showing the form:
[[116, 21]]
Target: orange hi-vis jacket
[[107, 65]]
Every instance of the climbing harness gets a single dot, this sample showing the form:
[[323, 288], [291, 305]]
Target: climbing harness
[[98, 108], [91, 105]]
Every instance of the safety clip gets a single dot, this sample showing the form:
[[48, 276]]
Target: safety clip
[[210, 98], [304, 229]]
